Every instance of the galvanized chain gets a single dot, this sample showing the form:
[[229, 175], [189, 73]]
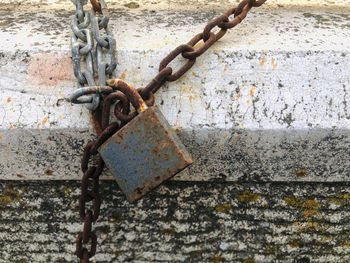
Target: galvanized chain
[[92, 95], [101, 60]]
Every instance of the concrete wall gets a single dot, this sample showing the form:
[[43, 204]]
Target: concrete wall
[[265, 113]]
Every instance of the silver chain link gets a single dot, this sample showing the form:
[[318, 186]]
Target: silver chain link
[[99, 62]]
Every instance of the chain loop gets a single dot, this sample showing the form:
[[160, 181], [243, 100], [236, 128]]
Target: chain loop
[[172, 55], [213, 23], [155, 84], [195, 40], [82, 252]]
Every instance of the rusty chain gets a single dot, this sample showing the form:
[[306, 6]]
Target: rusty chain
[[189, 50], [82, 44]]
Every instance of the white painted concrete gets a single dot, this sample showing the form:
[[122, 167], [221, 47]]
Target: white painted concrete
[[285, 69]]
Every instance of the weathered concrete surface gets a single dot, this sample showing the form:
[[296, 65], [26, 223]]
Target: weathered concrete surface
[[181, 222], [240, 155], [280, 79]]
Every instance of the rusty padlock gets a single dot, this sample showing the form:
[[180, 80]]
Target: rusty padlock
[[144, 152]]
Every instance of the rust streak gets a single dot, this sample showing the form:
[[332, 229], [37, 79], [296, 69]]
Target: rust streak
[[262, 62], [44, 120], [123, 74], [252, 91]]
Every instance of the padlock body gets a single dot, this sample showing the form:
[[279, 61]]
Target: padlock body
[[144, 153]]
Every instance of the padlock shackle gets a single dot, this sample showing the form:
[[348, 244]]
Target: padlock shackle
[[130, 92]]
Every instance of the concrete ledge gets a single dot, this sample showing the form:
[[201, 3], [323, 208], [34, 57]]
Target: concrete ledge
[[269, 100]]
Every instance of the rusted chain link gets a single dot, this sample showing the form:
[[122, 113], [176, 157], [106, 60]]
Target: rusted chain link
[[190, 51], [90, 181]]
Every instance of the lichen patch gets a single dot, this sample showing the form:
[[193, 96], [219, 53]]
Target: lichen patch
[[248, 197], [9, 196]]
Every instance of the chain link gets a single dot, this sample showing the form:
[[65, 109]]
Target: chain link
[[102, 61], [82, 42], [189, 50]]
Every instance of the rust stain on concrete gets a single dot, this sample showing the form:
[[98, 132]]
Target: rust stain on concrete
[[43, 122], [48, 172], [48, 68], [301, 173], [273, 62], [262, 62], [252, 91], [123, 74], [223, 73]]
